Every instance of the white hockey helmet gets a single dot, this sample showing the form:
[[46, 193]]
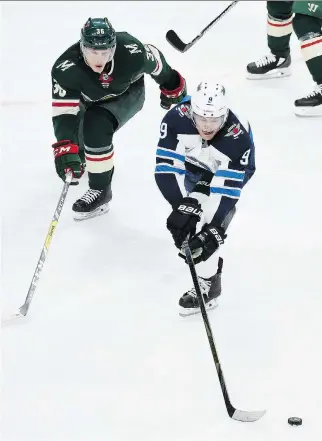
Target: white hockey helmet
[[209, 109], [209, 100]]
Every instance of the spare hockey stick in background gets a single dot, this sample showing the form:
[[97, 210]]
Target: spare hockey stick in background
[[173, 38], [22, 311], [239, 415]]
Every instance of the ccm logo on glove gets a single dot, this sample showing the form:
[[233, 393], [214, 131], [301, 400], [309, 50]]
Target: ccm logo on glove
[[61, 150]]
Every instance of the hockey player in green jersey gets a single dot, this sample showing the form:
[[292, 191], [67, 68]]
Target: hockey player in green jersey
[[98, 85], [305, 18]]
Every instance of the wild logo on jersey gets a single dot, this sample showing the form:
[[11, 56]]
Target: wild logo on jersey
[[105, 80]]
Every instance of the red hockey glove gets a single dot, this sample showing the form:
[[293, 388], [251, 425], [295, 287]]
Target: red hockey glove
[[67, 159], [170, 97]]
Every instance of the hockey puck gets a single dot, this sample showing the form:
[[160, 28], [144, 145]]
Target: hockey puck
[[295, 421]]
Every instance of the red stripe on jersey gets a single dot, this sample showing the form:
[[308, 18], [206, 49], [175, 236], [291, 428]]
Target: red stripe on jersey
[[311, 44], [105, 158], [279, 25], [65, 104]]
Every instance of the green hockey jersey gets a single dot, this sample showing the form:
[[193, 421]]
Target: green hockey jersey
[[73, 81]]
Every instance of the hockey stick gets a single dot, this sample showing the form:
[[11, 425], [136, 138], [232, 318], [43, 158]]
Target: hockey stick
[[239, 415], [22, 311], [175, 41]]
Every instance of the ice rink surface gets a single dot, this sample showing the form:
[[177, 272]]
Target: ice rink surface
[[103, 354]]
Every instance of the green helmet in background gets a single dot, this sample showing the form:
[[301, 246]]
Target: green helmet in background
[[98, 33]]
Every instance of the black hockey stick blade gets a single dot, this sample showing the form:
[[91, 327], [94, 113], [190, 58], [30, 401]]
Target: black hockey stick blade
[[176, 42], [238, 415]]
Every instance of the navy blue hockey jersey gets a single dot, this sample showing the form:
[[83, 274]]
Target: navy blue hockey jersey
[[184, 160]]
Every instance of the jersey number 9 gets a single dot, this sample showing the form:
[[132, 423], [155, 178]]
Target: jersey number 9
[[245, 157], [163, 130]]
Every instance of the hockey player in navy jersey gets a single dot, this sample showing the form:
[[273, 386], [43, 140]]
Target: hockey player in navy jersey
[[205, 156]]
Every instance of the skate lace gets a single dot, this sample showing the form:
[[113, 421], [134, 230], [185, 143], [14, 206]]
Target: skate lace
[[204, 286], [316, 91], [264, 61], [90, 196]]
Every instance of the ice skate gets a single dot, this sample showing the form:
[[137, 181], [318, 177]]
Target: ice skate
[[93, 203], [311, 104], [269, 66], [210, 289]]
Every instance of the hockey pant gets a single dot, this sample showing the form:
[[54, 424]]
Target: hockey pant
[[98, 123]]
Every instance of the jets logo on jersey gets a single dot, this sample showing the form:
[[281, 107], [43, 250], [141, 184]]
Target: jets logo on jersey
[[183, 110], [234, 131], [105, 79]]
